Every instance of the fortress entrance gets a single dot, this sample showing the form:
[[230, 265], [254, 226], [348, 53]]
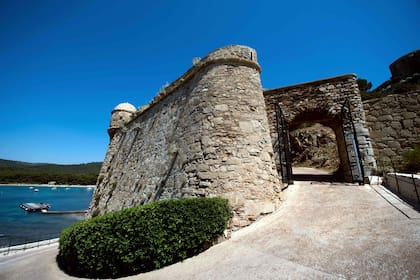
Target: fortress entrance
[[341, 144], [314, 145], [334, 103]]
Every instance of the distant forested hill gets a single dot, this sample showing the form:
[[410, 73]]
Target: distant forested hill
[[42, 173]]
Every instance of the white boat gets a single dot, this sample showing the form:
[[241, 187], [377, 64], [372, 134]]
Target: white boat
[[36, 190], [34, 207]]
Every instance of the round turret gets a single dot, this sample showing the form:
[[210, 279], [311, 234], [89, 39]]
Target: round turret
[[120, 116], [235, 53]]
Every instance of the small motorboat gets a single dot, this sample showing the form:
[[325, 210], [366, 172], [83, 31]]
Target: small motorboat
[[34, 207], [36, 190]]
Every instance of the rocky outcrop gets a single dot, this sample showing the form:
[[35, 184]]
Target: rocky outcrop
[[406, 66], [314, 146]]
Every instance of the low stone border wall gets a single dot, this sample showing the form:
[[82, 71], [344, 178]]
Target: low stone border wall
[[405, 185], [14, 249]]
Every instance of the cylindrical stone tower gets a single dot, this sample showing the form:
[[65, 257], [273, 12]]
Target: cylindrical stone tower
[[120, 116], [235, 138]]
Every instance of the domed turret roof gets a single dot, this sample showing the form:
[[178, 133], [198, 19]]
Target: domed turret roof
[[125, 107]]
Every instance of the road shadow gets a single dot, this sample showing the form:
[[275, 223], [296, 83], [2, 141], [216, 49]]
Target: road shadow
[[317, 177]]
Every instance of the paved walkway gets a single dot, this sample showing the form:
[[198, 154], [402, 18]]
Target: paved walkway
[[322, 231]]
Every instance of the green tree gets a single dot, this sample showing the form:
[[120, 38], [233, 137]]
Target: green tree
[[364, 85], [411, 159]]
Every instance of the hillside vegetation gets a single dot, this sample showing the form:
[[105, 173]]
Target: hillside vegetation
[[406, 85], [42, 173]]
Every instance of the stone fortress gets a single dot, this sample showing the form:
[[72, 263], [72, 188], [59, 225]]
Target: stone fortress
[[394, 121], [215, 132]]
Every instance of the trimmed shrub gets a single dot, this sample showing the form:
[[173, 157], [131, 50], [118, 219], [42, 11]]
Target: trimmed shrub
[[411, 159], [142, 238]]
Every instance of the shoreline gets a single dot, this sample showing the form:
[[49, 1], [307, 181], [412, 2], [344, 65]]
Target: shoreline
[[46, 185]]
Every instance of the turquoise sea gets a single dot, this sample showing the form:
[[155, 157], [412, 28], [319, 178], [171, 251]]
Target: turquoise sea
[[18, 226]]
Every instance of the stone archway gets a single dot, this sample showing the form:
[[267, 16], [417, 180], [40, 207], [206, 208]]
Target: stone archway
[[334, 102], [334, 122]]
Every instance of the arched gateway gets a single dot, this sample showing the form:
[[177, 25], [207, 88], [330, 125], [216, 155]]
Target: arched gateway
[[333, 102]]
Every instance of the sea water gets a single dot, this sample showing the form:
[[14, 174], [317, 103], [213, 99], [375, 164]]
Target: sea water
[[18, 226]]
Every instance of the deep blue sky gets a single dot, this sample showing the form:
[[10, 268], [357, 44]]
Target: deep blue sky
[[64, 65]]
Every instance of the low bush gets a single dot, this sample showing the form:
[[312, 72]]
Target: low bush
[[142, 238], [411, 159]]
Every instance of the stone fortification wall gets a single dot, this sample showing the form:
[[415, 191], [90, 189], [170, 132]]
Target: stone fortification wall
[[394, 124], [206, 134], [322, 102]]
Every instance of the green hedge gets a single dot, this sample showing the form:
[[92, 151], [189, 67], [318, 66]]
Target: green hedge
[[142, 238], [411, 160]]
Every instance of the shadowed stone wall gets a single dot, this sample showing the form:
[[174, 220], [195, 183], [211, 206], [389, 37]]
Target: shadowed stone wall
[[206, 134], [394, 124]]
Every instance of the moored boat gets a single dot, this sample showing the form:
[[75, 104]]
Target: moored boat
[[34, 207]]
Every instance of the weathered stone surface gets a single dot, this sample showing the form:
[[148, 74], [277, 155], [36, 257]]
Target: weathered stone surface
[[391, 138], [409, 115], [407, 123], [394, 145], [385, 118]]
